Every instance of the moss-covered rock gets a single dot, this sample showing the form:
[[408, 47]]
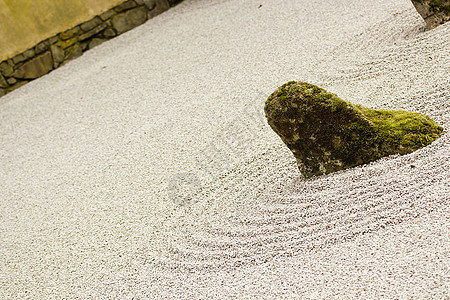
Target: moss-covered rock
[[434, 12], [327, 134]]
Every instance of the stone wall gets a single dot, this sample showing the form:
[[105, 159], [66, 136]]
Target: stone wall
[[24, 23], [57, 50]]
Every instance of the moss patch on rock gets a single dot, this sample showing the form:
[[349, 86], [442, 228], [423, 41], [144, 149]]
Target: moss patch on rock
[[434, 12], [327, 134], [439, 6]]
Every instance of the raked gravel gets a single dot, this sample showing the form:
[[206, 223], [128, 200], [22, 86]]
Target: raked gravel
[[146, 169]]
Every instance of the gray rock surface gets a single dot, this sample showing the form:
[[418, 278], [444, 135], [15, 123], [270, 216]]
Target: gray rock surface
[[95, 42], [86, 26], [36, 67], [129, 19], [109, 33], [41, 47], [125, 6], [23, 56], [18, 84], [6, 69], [92, 32], [327, 134], [58, 55], [107, 14], [70, 33], [3, 82], [73, 52], [434, 12], [156, 7]]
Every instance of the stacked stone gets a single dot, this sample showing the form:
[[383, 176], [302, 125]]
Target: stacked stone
[[57, 50]]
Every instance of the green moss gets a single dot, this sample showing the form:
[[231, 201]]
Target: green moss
[[66, 44], [274, 110], [407, 129], [439, 6]]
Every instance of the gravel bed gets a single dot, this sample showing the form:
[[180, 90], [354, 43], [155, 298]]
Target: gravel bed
[[146, 168]]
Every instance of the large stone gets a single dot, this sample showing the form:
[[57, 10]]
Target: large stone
[[109, 33], [434, 12], [70, 33], [92, 32], [52, 40], [92, 23], [41, 47], [36, 67], [58, 55], [18, 85], [29, 53], [107, 14], [125, 6], [129, 19], [327, 134], [156, 7], [23, 56], [6, 69], [19, 58], [3, 83], [95, 42], [73, 52]]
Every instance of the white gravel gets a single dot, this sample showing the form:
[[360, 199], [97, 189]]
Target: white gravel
[[146, 169]]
